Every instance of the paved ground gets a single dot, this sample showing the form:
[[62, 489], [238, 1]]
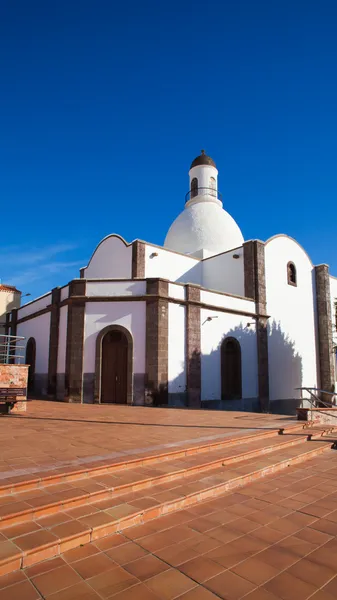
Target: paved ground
[[54, 435], [274, 539]]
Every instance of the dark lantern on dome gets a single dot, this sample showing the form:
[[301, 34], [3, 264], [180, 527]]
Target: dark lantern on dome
[[203, 159]]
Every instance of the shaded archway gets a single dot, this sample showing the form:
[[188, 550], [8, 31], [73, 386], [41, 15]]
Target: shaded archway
[[30, 360], [231, 372], [114, 366]]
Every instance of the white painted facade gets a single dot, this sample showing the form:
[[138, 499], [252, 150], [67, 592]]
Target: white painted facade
[[204, 250], [293, 359], [216, 326], [130, 315], [111, 259], [176, 349]]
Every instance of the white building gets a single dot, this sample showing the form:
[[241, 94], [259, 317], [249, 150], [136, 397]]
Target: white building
[[206, 320]]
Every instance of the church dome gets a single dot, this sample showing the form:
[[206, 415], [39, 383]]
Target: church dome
[[203, 226], [203, 159]]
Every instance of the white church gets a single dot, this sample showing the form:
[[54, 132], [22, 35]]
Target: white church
[[207, 320]]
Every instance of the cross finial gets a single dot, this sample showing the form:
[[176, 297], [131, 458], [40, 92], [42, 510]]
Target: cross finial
[[202, 151]]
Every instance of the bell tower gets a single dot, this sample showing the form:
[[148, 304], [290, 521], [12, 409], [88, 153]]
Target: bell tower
[[203, 181]]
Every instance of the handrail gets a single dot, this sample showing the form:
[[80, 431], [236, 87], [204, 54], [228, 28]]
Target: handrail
[[9, 346], [315, 400], [203, 191]]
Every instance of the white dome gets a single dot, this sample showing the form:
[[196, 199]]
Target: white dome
[[203, 226]]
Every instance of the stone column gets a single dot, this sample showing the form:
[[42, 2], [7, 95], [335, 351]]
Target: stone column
[[255, 288], [138, 260], [193, 346], [324, 327], [75, 338], [13, 331], [156, 377], [53, 340]]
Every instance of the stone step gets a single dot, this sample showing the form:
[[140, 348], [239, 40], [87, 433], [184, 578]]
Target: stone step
[[38, 502], [36, 540], [26, 482]]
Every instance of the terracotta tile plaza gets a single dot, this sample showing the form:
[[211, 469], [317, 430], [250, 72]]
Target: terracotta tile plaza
[[100, 502]]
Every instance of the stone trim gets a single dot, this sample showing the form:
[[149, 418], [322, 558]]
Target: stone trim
[[75, 339], [98, 361], [156, 378], [193, 346], [138, 260], [255, 288], [324, 326], [14, 321], [53, 341], [263, 362], [38, 313], [77, 287]]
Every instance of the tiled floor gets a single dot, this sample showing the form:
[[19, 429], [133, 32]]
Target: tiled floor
[[274, 539], [55, 436]]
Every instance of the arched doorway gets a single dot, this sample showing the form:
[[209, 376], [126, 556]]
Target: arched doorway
[[30, 360], [231, 375], [114, 366]]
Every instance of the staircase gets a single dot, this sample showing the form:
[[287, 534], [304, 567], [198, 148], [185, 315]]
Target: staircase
[[48, 515]]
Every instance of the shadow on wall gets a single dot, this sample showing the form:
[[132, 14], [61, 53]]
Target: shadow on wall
[[285, 374]]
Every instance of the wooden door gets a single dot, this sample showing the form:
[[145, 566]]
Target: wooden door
[[114, 368], [231, 376]]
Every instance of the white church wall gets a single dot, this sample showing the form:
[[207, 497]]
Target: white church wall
[[116, 288], [32, 307], [225, 273], [226, 301], [61, 353], [176, 354], [39, 329], [111, 259], [176, 291], [172, 266], [132, 316], [64, 293], [213, 332], [293, 358]]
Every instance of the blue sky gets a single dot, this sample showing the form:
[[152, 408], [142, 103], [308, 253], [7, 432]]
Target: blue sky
[[104, 104]]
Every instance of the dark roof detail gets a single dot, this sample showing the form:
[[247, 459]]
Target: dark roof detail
[[203, 159]]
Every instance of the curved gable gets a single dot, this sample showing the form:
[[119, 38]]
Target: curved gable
[[112, 259]]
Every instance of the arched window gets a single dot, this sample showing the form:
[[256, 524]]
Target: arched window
[[292, 275], [194, 187], [212, 185], [231, 375]]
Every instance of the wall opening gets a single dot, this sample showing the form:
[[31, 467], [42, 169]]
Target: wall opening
[[292, 274], [114, 366], [30, 360], [212, 185], [194, 187], [231, 370]]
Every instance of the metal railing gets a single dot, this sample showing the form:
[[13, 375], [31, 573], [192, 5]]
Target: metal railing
[[203, 191], [10, 349]]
